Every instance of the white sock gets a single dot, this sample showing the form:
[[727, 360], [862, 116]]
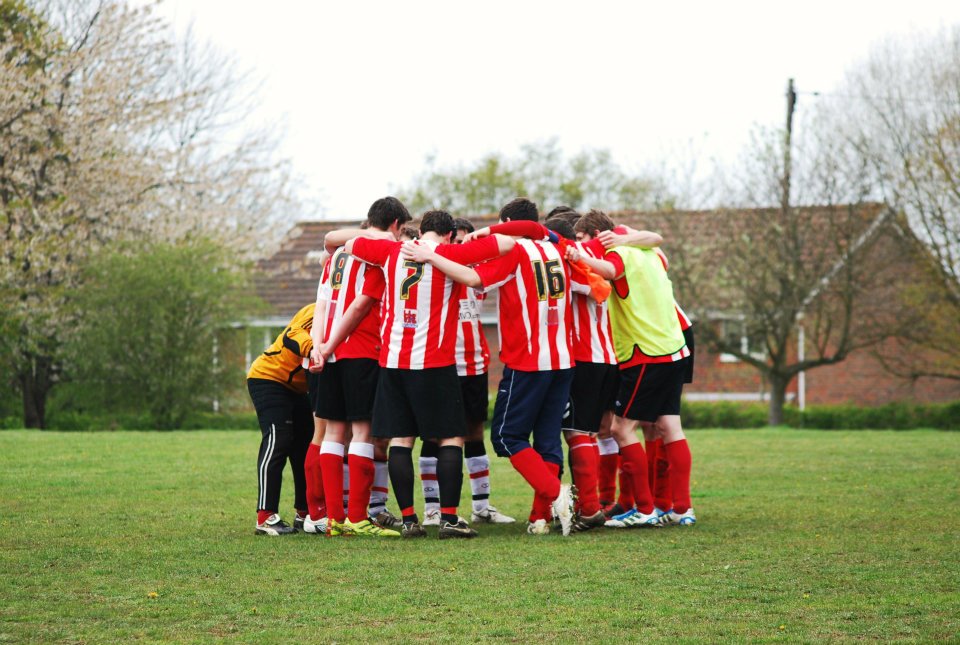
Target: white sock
[[479, 469], [379, 492], [428, 480], [608, 446]]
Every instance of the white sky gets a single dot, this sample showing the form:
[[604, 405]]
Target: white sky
[[365, 90]]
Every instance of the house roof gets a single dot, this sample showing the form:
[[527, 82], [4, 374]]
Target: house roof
[[288, 279]]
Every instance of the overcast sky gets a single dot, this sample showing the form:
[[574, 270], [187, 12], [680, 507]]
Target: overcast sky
[[366, 90]]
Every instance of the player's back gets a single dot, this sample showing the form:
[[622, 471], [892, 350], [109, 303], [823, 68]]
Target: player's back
[[346, 277], [535, 316], [281, 362]]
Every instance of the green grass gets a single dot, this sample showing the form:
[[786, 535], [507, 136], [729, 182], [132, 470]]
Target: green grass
[[803, 535]]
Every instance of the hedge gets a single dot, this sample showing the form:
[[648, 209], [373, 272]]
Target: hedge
[[895, 416]]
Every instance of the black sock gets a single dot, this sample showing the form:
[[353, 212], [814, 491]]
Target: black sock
[[400, 466], [450, 480], [428, 448], [474, 449]]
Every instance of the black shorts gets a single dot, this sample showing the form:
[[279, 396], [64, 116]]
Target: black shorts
[[419, 403], [650, 390], [475, 392], [346, 389], [688, 374], [313, 387], [593, 392]]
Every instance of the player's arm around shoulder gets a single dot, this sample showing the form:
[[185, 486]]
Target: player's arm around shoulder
[[423, 254], [602, 267], [333, 240], [371, 251], [625, 236]]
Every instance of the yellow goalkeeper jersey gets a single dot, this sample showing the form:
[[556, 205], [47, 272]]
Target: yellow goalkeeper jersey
[[282, 361]]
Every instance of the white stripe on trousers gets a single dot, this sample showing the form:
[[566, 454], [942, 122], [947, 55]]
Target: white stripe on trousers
[[506, 409], [267, 456]]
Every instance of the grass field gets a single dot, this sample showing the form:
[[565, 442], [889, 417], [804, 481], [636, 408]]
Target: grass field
[[803, 535]]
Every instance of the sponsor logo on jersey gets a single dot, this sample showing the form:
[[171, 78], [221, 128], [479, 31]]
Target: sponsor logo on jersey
[[409, 318]]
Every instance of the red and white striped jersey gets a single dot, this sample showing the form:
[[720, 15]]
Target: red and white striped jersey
[[344, 278], [592, 337], [472, 352], [535, 317], [421, 308]]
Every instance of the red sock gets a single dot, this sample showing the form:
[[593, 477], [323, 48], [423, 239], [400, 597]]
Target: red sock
[[331, 468], [263, 515], [541, 503], [625, 500], [635, 466], [311, 468], [361, 480], [651, 448], [662, 491], [678, 455], [607, 475], [531, 467], [583, 463]]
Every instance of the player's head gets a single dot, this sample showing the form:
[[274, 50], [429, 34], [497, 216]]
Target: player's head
[[561, 227], [388, 214], [594, 222], [409, 233], [439, 222], [519, 209], [566, 213], [464, 226]]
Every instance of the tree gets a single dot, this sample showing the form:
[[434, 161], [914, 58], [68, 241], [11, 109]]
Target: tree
[[777, 266], [147, 326], [901, 109], [589, 179], [106, 135]]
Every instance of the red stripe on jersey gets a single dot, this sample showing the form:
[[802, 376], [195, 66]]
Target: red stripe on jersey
[[472, 352], [420, 325], [345, 279], [592, 336], [534, 315], [685, 323]]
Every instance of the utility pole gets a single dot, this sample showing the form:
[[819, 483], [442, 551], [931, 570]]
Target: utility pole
[[788, 136], [785, 206]]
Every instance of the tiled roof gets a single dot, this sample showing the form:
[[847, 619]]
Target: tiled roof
[[288, 279]]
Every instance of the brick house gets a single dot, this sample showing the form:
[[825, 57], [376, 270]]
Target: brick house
[[287, 280]]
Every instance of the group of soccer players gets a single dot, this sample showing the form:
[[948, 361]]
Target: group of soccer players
[[593, 346]]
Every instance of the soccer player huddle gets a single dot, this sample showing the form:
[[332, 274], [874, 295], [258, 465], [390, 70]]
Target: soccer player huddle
[[594, 349]]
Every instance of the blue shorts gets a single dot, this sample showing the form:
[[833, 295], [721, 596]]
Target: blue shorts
[[530, 403]]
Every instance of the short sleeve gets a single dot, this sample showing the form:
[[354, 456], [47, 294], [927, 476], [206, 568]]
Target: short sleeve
[[614, 258], [373, 282]]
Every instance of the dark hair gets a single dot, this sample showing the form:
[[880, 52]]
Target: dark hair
[[410, 231], [560, 209], [463, 224], [565, 213], [387, 210], [519, 209], [594, 221], [561, 227], [440, 222]]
